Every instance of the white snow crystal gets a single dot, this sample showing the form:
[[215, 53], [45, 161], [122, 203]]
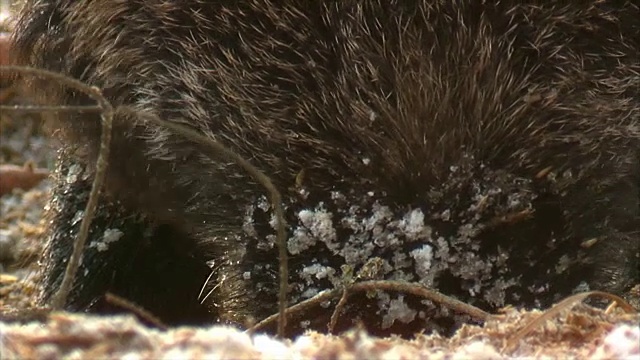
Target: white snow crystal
[[423, 257], [109, 236], [413, 226], [398, 310]]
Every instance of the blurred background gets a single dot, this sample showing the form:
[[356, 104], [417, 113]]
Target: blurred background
[[26, 156]]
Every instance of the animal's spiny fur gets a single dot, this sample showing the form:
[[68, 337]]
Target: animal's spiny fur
[[395, 130]]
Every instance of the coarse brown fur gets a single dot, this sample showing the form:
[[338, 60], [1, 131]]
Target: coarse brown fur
[[449, 115]]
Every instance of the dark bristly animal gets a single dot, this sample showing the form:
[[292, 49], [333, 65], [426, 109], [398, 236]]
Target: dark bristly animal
[[488, 150]]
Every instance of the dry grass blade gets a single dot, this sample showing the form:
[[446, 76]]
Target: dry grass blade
[[558, 308], [106, 115]]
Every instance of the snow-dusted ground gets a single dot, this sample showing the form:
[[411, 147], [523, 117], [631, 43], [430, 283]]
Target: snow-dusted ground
[[584, 334]]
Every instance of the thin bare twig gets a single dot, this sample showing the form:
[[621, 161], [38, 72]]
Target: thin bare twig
[[106, 115], [51, 108], [135, 309], [338, 310], [387, 285]]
